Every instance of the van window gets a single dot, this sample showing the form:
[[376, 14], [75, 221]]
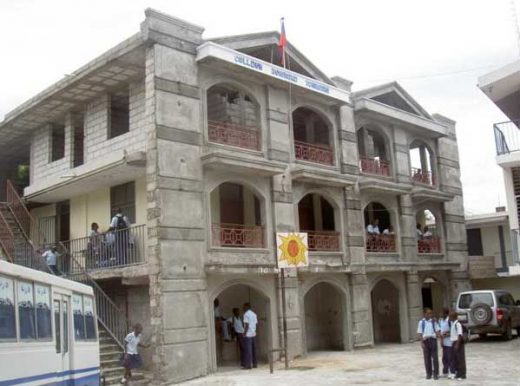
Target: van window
[[90, 322], [7, 310], [506, 300], [43, 311], [79, 320], [26, 310], [469, 300]]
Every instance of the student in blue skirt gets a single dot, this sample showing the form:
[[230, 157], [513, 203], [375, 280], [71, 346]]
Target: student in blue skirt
[[132, 359]]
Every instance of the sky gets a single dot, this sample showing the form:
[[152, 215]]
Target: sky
[[435, 49]]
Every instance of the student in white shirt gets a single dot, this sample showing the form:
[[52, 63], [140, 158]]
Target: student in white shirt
[[427, 332], [427, 234], [221, 322], [132, 359], [238, 328], [250, 323], [389, 230], [448, 367], [457, 339], [51, 258], [119, 228], [373, 228]]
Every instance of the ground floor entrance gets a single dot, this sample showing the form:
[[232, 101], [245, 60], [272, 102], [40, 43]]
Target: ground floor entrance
[[385, 312]]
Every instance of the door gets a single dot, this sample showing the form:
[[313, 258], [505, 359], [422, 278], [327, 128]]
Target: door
[[62, 324]]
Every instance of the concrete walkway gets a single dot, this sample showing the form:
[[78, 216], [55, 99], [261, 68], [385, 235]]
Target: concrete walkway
[[489, 362]]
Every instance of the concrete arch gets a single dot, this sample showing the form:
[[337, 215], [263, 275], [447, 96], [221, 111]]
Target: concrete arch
[[318, 110], [242, 86], [320, 191], [399, 284], [240, 181], [314, 288]]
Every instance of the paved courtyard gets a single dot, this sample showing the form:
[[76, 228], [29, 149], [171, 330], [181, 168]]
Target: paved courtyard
[[489, 362]]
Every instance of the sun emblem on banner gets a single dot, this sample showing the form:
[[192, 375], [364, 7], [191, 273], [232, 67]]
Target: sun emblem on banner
[[293, 250]]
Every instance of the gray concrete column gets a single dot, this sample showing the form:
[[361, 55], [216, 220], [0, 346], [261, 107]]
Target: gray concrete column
[[348, 141], [362, 324], [413, 293], [354, 227], [407, 228], [425, 167]]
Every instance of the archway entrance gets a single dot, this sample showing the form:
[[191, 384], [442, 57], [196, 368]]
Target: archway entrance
[[385, 313], [227, 353], [433, 295], [324, 318]]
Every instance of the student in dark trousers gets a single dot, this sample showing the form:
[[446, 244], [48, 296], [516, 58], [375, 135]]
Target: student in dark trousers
[[457, 338], [250, 322], [448, 367], [428, 331], [238, 330]]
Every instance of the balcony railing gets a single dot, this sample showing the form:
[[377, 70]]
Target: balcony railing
[[234, 135], [380, 243], [19, 210], [374, 166], [507, 137], [423, 177], [236, 235], [314, 153], [119, 248], [429, 245], [327, 241], [7, 240]]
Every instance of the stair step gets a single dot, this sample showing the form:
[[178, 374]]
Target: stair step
[[110, 363], [110, 355], [113, 371], [103, 348], [137, 379]]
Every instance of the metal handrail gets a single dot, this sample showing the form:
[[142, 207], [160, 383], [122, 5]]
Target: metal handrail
[[18, 208]]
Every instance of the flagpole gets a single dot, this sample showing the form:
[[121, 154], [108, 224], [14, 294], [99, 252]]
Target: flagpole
[[284, 319]]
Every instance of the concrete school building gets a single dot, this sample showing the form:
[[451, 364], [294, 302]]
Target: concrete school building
[[210, 148]]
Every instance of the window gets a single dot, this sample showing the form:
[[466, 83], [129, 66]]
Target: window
[[26, 310], [43, 311], [57, 142], [90, 321], [468, 300], [65, 326], [119, 118], [474, 242], [7, 310], [79, 136], [506, 300], [123, 197], [57, 325], [79, 319]]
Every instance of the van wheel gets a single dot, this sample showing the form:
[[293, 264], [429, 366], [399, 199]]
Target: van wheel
[[482, 336], [508, 335]]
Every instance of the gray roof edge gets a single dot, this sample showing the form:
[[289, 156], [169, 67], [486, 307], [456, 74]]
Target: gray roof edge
[[151, 12], [133, 41]]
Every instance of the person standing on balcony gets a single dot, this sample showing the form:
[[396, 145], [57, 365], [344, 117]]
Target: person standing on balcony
[[427, 234], [51, 258], [418, 231], [250, 322], [94, 245], [119, 226], [389, 231], [373, 227]]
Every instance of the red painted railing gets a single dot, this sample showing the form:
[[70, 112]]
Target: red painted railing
[[374, 166], [234, 135], [422, 177], [19, 209], [314, 153], [236, 235], [429, 245], [323, 240], [6, 238], [380, 243]]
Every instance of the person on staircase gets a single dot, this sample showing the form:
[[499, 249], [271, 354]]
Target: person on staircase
[[51, 258], [120, 227], [131, 358]]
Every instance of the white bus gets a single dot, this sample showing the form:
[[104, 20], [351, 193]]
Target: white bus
[[48, 330]]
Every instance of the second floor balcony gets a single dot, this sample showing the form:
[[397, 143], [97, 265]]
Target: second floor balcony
[[424, 177], [237, 235], [374, 166], [314, 153], [380, 243], [507, 137]]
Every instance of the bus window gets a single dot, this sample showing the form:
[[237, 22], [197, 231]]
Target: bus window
[[43, 311], [90, 323], [79, 320], [65, 326], [26, 310], [57, 325], [7, 310]]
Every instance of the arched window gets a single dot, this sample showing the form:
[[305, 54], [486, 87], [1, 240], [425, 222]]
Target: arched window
[[312, 139], [233, 117], [237, 218], [421, 160], [316, 218], [373, 154], [427, 231], [380, 233]]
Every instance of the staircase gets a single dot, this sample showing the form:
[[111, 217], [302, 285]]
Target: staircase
[[110, 353], [17, 226]]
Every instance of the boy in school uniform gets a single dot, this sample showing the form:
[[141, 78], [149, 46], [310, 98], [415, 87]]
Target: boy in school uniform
[[238, 329], [457, 338], [428, 331], [132, 359], [250, 323], [448, 368]]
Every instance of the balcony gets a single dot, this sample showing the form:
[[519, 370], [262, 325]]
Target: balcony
[[109, 250], [314, 153], [234, 135], [423, 177], [380, 243], [429, 245], [237, 236], [374, 166], [323, 241]]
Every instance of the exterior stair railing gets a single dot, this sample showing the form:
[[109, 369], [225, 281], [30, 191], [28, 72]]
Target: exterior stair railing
[[109, 315]]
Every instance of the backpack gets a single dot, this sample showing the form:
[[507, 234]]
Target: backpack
[[423, 324], [465, 332], [121, 223]]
